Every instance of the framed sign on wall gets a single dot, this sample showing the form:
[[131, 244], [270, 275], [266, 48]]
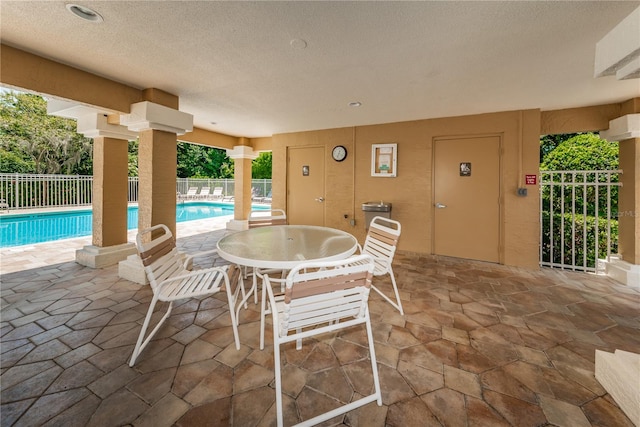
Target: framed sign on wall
[[384, 158]]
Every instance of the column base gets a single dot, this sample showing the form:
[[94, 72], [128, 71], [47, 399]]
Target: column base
[[133, 270], [97, 257], [618, 373], [622, 271], [237, 225]]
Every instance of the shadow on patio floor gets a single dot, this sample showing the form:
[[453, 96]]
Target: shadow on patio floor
[[480, 344]]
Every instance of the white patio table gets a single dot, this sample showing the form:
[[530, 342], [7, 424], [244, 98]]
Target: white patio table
[[285, 246]]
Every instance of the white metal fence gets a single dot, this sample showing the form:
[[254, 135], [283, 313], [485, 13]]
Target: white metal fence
[[26, 191], [578, 209], [578, 218]]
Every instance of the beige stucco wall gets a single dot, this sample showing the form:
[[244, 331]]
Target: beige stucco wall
[[349, 183], [629, 207]]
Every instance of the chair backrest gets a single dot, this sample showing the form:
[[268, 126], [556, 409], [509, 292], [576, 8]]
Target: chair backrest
[[159, 256], [320, 292], [217, 191], [265, 217], [192, 191], [382, 238], [205, 191]]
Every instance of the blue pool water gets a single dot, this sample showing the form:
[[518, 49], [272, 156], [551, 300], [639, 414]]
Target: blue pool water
[[25, 229]]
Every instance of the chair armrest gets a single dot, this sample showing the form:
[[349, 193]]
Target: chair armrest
[[272, 299]]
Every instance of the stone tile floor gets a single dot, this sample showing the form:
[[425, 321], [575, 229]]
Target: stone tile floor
[[479, 345]]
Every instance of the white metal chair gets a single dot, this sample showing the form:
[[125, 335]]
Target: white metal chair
[[170, 279], [381, 243], [264, 218], [323, 297]]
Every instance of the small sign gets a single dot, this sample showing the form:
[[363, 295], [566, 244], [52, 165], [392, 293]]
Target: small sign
[[530, 179], [465, 169]]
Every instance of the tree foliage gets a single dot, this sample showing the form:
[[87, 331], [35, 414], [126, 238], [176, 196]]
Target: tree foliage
[[585, 151], [197, 161], [33, 142], [261, 166]]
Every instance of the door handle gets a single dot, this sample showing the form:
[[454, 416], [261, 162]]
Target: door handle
[[440, 206], [320, 199]]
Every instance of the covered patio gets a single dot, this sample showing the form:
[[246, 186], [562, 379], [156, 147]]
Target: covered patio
[[480, 344]]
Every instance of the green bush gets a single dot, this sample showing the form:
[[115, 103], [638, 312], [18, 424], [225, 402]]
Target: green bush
[[574, 244]]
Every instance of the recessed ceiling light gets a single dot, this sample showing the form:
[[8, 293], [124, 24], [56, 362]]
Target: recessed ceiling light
[[355, 104], [298, 43], [84, 12]]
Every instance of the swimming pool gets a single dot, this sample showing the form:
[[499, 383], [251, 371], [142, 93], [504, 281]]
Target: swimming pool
[[25, 229]]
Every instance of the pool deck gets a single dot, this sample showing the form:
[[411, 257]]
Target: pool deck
[[25, 257]]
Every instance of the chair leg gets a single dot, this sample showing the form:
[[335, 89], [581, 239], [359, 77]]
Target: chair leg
[[374, 364], [232, 312], [395, 290], [255, 287], [140, 344], [263, 307], [239, 291], [397, 303], [278, 378]]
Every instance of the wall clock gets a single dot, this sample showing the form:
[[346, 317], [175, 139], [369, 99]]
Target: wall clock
[[339, 153]]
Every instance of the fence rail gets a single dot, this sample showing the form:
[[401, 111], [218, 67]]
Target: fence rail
[[22, 191], [578, 218], [578, 209]]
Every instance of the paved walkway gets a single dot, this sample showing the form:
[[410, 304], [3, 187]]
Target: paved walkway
[[480, 344]]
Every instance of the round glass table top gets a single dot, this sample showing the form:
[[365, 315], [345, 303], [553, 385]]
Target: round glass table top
[[285, 246]]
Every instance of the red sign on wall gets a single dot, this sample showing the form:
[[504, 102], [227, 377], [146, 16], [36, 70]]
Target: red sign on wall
[[530, 179]]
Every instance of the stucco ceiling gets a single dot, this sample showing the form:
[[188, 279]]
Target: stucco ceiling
[[261, 68]]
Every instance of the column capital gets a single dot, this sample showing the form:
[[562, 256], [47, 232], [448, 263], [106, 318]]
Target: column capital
[[91, 121], [95, 125], [242, 152], [625, 127], [148, 115]]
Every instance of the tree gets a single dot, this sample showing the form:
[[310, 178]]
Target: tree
[[220, 165], [585, 151], [40, 143], [197, 161], [191, 160], [133, 157], [261, 166], [548, 143], [31, 141]]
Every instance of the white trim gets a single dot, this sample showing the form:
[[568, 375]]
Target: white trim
[[619, 47], [242, 152], [148, 115], [96, 125], [625, 127]]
